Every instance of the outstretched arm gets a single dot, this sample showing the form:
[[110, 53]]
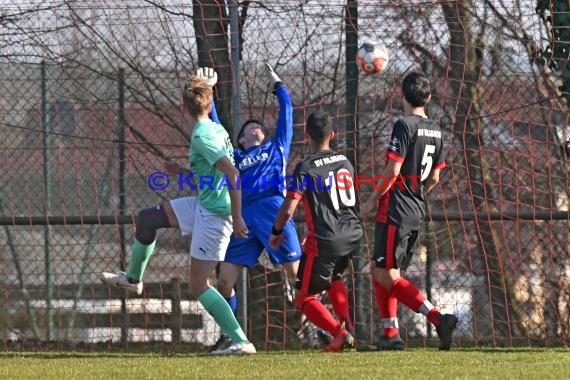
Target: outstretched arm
[[284, 132], [211, 77]]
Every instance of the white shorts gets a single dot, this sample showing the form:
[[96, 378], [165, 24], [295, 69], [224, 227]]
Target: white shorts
[[210, 232]]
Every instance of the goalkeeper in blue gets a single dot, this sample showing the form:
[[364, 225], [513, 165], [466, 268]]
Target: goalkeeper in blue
[[261, 162]]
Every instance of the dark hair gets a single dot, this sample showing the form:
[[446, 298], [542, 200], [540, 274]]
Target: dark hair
[[245, 124], [319, 125], [416, 89]]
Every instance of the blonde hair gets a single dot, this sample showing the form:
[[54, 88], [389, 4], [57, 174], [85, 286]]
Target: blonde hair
[[197, 96]]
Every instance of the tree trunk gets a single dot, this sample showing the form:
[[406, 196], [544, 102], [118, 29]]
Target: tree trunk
[[465, 65], [211, 25]]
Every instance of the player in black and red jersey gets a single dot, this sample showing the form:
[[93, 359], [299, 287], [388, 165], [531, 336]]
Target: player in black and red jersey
[[415, 158], [323, 181]]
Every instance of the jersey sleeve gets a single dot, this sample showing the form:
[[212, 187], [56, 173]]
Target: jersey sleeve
[[210, 148], [284, 132], [214, 113], [399, 142], [296, 189]]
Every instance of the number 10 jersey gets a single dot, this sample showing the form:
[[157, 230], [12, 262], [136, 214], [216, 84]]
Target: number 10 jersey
[[325, 183]]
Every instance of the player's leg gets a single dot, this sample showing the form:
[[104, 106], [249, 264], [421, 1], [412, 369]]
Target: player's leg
[[338, 293], [240, 253], [210, 240], [291, 269], [147, 222], [387, 304], [402, 242], [313, 277], [217, 306], [224, 340], [200, 272], [227, 277], [289, 254]]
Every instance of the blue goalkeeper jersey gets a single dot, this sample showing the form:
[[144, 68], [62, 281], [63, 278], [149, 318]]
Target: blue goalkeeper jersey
[[262, 168]]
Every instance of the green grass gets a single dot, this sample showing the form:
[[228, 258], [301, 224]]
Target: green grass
[[410, 364]]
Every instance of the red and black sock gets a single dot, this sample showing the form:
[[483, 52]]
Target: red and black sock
[[388, 310], [338, 295], [318, 314], [410, 296]]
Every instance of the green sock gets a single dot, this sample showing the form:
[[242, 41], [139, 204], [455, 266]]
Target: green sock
[[140, 255], [218, 308]]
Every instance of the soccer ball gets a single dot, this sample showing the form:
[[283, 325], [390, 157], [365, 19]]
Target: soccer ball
[[372, 58]]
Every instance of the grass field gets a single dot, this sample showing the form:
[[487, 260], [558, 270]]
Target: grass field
[[410, 364]]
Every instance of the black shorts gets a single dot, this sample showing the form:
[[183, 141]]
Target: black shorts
[[316, 273], [394, 246]]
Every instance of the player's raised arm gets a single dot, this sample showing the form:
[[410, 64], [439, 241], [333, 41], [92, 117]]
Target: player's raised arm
[[211, 77], [214, 113], [284, 132]]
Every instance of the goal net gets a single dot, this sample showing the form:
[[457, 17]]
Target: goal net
[[91, 109]]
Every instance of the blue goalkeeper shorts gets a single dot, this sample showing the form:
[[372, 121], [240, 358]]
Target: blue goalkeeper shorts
[[259, 218]]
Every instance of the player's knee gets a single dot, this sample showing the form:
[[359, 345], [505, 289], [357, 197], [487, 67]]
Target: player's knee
[[301, 300], [149, 216], [291, 268], [224, 287], [383, 278], [148, 221], [198, 287]]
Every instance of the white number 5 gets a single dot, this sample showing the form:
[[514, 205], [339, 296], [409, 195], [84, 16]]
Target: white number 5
[[427, 161]]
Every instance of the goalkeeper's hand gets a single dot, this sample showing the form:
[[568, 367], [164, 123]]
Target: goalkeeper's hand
[[208, 74], [273, 77]]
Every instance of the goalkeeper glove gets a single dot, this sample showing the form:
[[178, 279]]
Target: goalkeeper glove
[[208, 74], [273, 77]]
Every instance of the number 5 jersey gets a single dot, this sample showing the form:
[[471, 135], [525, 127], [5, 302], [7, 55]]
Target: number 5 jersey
[[417, 143]]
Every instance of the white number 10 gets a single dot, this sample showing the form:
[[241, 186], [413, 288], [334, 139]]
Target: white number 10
[[346, 192]]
